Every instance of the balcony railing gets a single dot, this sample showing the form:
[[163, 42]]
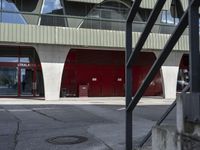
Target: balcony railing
[[79, 22]]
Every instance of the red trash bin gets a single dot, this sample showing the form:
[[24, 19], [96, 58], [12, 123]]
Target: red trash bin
[[83, 90]]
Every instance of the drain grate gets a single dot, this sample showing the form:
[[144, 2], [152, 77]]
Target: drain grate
[[67, 140]]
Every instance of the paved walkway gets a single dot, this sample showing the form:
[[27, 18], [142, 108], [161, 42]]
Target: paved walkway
[[28, 124]]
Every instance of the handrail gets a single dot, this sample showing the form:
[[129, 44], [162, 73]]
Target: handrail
[[80, 17], [161, 59], [131, 55], [133, 12], [162, 118], [149, 25]]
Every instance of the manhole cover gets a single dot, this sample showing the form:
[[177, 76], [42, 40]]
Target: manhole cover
[[67, 140]]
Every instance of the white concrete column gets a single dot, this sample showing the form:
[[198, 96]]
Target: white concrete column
[[169, 77], [169, 72], [52, 58]]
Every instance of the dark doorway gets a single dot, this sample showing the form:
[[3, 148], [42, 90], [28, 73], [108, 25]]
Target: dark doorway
[[20, 72]]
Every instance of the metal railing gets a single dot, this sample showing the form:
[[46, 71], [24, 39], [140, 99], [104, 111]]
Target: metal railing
[[162, 118], [190, 14], [82, 22]]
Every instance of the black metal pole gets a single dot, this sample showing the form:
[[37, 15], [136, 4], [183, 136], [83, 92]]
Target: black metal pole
[[147, 30], [161, 59], [193, 17], [128, 87], [128, 82]]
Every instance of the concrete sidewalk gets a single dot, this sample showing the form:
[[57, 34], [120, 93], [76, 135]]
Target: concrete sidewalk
[[28, 124], [85, 101]]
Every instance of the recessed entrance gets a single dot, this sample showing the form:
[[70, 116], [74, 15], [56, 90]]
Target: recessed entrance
[[100, 73], [20, 72]]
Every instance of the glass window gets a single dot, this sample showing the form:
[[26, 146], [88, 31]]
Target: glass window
[[20, 5], [8, 5], [164, 17], [15, 59], [8, 81], [25, 59], [168, 19], [52, 7], [26, 5], [10, 17], [144, 14], [8, 59], [107, 10], [110, 10]]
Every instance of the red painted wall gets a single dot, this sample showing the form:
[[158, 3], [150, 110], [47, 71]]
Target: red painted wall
[[103, 72]]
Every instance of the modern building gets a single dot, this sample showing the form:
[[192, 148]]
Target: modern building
[[72, 48]]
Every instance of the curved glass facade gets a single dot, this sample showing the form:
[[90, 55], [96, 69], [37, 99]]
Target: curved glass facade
[[108, 15], [52, 7], [7, 5], [98, 16], [168, 19]]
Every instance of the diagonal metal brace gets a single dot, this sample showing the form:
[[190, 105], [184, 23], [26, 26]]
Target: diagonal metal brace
[[163, 117], [150, 23], [133, 11], [161, 59]]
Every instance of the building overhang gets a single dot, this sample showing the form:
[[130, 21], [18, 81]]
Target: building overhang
[[33, 34]]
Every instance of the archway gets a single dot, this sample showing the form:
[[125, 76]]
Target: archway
[[100, 73]]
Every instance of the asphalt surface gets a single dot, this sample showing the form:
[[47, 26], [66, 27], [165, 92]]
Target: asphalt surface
[[32, 124]]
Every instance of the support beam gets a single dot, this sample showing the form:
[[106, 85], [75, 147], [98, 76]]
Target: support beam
[[194, 48], [130, 105], [130, 19], [128, 90], [150, 23], [128, 78], [133, 11], [52, 59], [163, 56]]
